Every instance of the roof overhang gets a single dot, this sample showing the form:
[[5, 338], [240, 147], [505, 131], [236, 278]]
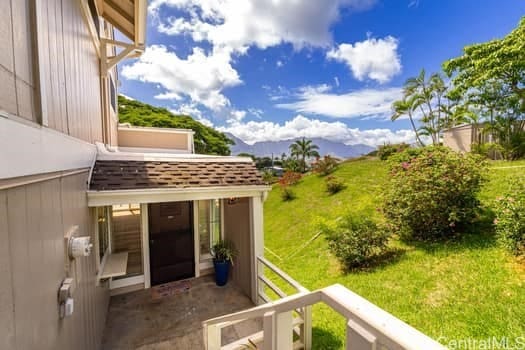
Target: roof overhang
[[129, 17], [102, 198]]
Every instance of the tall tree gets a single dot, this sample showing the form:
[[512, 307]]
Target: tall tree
[[406, 107], [207, 140], [428, 97], [304, 149], [492, 76], [501, 60]]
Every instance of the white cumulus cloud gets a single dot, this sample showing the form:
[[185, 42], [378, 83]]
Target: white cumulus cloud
[[375, 59], [366, 103], [200, 76], [254, 131], [240, 24]]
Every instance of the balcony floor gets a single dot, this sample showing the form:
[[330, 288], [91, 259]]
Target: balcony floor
[[135, 321]]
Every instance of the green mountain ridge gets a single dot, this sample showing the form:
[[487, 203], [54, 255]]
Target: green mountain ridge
[[206, 139]]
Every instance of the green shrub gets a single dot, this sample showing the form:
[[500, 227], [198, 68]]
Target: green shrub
[[430, 194], [325, 166], [287, 194], [356, 242], [334, 184], [385, 151], [487, 150], [510, 217], [269, 177]]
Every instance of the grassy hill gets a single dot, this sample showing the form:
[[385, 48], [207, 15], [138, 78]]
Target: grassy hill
[[469, 288], [207, 140]]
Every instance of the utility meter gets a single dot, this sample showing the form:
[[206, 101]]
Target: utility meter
[[80, 246]]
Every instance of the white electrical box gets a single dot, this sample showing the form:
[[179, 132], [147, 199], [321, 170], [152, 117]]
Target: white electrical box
[[80, 246], [69, 307], [65, 299]]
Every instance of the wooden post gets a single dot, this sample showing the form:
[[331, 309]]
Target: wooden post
[[268, 331], [284, 331], [358, 338], [307, 327], [256, 216], [212, 337]]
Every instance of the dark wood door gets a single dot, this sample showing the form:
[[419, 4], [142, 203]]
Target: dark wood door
[[171, 252]]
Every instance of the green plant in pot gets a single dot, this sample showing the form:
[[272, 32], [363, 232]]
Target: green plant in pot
[[223, 253]]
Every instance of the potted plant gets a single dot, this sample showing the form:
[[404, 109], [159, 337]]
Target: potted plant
[[223, 253]]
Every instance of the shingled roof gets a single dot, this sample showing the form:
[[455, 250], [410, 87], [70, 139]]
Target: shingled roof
[[111, 175]]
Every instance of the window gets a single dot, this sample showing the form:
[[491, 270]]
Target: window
[[113, 94], [209, 225], [103, 231], [126, 236]]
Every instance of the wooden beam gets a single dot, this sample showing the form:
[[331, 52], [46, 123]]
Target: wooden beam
[[119, 21], [126, 13], [140, 21]]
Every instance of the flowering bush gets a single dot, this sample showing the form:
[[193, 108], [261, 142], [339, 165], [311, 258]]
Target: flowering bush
[[385, 151], [334, 184], [290, 178], [510, 217], [356, 242], [431, 193], [325, 166]]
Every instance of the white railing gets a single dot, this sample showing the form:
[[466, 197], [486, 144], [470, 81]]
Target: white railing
[[368, 326], [301, 317]]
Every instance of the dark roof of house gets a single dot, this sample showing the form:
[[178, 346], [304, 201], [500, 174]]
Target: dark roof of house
[[111, 175]]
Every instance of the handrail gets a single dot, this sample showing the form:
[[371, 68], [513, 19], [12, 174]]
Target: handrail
[[282, 274], [281, 305], [363, 316]]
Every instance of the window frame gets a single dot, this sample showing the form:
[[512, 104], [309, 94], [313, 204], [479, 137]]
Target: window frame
[[101, 261], [207, 256]]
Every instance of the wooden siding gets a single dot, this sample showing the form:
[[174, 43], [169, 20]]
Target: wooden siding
[[16, 65], [71, 88], [134, 137], [459, 138], [237, 229], [70, 67], [33, 221]]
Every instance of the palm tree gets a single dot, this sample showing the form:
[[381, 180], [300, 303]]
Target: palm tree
[[406, 106], [428, 95], [304, 149]]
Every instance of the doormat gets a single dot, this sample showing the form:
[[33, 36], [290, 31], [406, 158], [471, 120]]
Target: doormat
[[169, 289]]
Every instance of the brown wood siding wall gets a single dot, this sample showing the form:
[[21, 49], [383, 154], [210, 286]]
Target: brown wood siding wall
[[16, 65], [459, 139], [72, 89], [152, 139], [33, 221], [237, 229]]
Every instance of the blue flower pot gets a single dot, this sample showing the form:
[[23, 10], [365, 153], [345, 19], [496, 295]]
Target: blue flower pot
[[222, 268]]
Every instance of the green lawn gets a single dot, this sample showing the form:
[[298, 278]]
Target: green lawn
[[469, 288]]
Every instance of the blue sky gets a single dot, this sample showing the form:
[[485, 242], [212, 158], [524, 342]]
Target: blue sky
[[278, 69]]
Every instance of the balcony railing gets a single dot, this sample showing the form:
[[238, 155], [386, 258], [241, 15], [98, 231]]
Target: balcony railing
[[368, 327]]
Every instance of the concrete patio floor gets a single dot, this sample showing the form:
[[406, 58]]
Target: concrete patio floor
[[135, 321]]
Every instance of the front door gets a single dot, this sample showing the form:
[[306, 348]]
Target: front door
[[171, 241]]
